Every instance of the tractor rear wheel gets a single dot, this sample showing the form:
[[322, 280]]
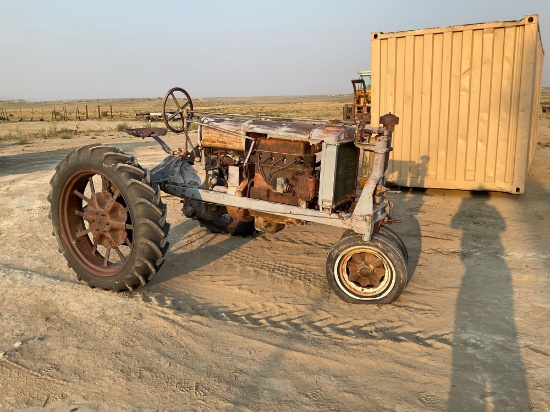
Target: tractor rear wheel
[[109, 221]]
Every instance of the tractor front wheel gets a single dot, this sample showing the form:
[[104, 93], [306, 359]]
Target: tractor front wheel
[[366, 272]]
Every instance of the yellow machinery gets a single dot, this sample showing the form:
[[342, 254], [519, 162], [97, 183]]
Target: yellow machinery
[[359, 111]]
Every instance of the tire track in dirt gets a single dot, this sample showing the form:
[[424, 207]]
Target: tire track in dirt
[[299, 277], [280, 267], [24, 373], [232, 262], [278, 317], [317, 244], [285, 318]]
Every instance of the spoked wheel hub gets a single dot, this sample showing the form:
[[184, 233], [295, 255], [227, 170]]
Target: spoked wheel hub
[[95, 221], [367, 272], [363, 270], [106, 219], [366, 269]]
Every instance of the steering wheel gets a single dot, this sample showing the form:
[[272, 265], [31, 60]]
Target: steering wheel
[[177, 104]]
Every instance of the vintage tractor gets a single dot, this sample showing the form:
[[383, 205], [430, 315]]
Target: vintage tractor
[[246, 174]]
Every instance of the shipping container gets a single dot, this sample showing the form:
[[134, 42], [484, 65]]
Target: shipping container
[[468, 100]]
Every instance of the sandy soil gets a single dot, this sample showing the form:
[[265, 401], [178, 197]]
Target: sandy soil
[[250, 323]]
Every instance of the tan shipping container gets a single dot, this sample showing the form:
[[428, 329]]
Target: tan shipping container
[[468, 100]]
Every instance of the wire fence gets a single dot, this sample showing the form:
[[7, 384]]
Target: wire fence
[[54, 113]]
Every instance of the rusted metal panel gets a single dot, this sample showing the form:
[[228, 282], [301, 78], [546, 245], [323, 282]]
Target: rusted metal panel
[[333, 134], [306, 187], [228, 132], [299, 148], [468, 97], [285, 130], [223, 133]]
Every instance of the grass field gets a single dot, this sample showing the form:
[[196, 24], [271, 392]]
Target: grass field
[[545, 96], [318, 107], [124, 113]]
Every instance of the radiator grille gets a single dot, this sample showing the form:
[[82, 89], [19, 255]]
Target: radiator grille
[[345, 172]]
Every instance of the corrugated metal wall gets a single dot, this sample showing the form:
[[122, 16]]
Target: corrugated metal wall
[[468, 101]]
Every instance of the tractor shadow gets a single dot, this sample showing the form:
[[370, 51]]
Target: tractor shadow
[[407, 205], [192, 248]]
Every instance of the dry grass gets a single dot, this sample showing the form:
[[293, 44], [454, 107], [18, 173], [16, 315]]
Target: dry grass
[[124, 113], [122, 127], [545, 96], [25, 136], [316, 107]]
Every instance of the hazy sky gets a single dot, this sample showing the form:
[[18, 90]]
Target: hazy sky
[[61, 49]]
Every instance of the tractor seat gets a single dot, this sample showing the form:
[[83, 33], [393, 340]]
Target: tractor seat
[[147, 131]]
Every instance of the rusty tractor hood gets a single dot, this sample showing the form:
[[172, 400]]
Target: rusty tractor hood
[[314, 133]]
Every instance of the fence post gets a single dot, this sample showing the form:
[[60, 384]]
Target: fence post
[[111, 107], [86, 112], [98, 112]]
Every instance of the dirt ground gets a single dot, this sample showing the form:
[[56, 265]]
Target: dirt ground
[[233, 323]]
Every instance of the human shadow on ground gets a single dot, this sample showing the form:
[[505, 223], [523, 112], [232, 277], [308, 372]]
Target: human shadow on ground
[[488, 371], [30, 162]]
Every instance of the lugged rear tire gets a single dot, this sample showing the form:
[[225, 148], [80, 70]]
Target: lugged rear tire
[[114, 238]]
